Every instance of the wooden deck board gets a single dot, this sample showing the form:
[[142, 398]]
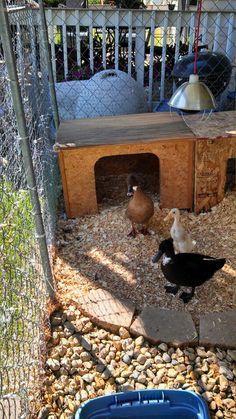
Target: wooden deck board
[[124, 129]]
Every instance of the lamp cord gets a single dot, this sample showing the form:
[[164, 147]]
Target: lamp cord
[[199, 10]]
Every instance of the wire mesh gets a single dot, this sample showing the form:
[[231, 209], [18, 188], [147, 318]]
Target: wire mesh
[[22, 289], [104, 55], [143, 40]]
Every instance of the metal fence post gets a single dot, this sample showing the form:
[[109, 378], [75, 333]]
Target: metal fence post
[[49, 64], [24, 144]]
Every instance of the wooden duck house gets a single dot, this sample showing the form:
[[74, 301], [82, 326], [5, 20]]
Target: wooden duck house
[[187, 161]]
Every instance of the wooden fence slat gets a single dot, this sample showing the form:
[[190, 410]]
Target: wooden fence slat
[[217, 32], [52, 44], [78, 38], [104, 49], [117, 33], [140, 53], [191, 33], [64, 43], [151, 60], [91, 55], [204, 29], [130, 41], [230, 46], [177, 42], [163, 63]]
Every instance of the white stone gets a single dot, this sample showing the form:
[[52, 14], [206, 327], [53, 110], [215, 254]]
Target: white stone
[[106, 374], [88, 378], [208, 396], [159, 376], [226, 372], [229, 403], [83, 395], [127, 387], [120, 380], [85, 356], [123, 332], [53, 364], [65, 363], [232, 354], [139, 341], [201, 352], [104, 352], [102, 334], [172, 373], [223, 383], [166, 358], [150, 374], [134, 375], [163, 347], [139, 386], [126, 359], [126, 373], [142, 379]]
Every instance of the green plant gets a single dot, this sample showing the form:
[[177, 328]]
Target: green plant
[[53, 3], [16, 268], [130, 4]]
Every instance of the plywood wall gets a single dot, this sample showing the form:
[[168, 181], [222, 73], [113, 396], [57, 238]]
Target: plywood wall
[[210, 170], [78, 174]]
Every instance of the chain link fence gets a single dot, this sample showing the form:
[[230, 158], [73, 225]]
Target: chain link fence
[[106, 58], [26, 189], [117, 51]]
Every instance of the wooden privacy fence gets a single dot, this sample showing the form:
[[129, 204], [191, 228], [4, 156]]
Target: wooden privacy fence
[[149, 42]]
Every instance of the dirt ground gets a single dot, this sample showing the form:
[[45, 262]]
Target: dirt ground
[[94, 251]]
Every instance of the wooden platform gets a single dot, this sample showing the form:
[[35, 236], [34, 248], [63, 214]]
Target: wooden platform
[[124, 129], [192, 156]]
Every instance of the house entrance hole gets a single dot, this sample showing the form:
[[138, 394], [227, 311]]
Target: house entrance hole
[[230, 182], [111, 176]]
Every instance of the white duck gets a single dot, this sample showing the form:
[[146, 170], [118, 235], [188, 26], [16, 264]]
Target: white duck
[[181, 238]]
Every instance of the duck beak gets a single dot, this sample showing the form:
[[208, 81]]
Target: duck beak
[[130, 190], [168, 216], [157, 256]]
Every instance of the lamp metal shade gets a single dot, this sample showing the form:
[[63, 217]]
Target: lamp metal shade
[[193, 96]]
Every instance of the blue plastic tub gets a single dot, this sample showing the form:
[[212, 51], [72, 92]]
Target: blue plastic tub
[[159, 404]]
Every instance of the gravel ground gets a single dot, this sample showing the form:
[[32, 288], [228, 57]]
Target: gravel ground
[[85, 361]]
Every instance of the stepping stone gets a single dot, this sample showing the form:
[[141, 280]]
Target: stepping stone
[[158, 325], [106, 310], [218, 329]]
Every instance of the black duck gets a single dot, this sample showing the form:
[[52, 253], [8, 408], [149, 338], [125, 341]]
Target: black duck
[[185, 269]]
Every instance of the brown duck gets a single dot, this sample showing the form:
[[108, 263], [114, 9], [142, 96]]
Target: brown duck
[[139, 211]]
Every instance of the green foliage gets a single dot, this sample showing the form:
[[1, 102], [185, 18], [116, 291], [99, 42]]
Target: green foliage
[[130, 4], [53, 3], [93, 2], [16, 268]]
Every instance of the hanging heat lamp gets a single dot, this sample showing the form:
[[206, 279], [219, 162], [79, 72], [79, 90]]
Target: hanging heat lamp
[[193, 95]]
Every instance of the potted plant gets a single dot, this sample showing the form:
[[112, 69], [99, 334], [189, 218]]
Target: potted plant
[[171, 5]]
